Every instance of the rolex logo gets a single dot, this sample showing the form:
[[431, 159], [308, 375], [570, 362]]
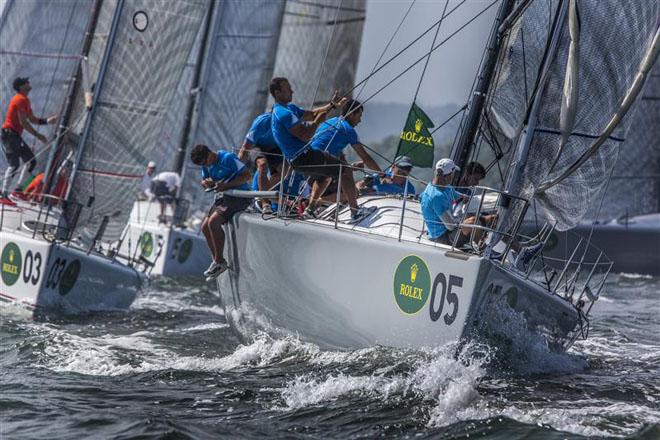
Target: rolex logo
[[413, 273], [418, 125], [11, 256]]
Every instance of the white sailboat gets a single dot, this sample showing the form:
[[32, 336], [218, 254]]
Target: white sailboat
[[54, 257], [233, 61], [382, 282]]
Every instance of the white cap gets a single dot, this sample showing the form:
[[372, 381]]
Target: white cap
[[445, 166], [151, 164]]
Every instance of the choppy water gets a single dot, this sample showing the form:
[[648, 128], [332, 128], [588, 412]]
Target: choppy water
[[172, 368]]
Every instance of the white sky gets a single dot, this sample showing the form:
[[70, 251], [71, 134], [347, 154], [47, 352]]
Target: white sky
[[452, 67]]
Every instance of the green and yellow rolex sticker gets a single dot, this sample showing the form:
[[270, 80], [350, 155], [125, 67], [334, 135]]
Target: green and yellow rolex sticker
[[412, 284], [146, 244], [11, 263], [185, 250]]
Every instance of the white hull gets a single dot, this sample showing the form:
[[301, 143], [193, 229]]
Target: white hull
[[53, 278], [342, 288], [168, 251]]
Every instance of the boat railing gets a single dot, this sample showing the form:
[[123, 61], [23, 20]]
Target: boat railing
[[493, 219], [53, 218], [578, 279]]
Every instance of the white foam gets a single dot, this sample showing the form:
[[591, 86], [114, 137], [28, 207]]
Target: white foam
[[437, 375]]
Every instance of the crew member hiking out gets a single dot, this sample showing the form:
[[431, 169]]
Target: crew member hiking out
[[335, 134], [19, 118], [268, 157], [220, 171], [293, 129]]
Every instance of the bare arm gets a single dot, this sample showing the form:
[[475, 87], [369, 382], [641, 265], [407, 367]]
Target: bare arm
[[366, 157], [242, 153], [335, 102], [242, 178], [25, 122], [305, 132]]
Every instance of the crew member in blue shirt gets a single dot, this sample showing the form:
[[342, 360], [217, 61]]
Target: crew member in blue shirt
[[293, 129], [437, 202], [268, 158], [392, 182], [220, 171], [337, 133]]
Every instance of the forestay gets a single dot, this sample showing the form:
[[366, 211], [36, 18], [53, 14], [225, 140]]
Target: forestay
[[234, 84], [143, 65], [319, 47], [612, 42], [43, 41]]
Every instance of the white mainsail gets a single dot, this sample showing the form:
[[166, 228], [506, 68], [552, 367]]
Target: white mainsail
[[613, 40], [144, 58], [43, 41]]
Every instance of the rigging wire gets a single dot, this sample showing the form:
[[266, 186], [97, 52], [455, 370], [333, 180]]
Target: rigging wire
[[327, 51], [428, 58], [419, 37], [382, 54]]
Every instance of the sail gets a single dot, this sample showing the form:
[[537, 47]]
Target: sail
[[239, 62], [319, 48], [635, 185], [612, 42], [43, 41], [144, 58]]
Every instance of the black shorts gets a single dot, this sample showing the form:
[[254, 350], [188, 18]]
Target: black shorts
[[317, 164], [16, 149], [227, 206]]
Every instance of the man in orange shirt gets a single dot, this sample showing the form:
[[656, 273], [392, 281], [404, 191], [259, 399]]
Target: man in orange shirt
[[20, 117]]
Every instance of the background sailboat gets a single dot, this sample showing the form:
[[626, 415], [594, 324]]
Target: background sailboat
[[140, 60], [229, 78]]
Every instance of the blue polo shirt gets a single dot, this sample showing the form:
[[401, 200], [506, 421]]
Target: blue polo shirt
[[391, 188], [261, 133], [334, 135], [435, 202], [284, 118], [225, 169]]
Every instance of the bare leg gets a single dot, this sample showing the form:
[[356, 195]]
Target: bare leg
[[217, 235], [348, 187], [318, 188], [206, 230]]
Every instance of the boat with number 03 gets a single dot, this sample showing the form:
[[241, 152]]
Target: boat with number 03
[[107, 68]]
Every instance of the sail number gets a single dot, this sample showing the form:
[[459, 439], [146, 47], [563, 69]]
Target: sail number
[[32, 267], [55, 273], [443, 291]]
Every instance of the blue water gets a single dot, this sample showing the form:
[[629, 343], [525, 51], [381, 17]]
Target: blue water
[[172, 368]]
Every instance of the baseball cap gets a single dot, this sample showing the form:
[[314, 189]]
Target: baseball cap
[[19, 81], [445, 166], [151, 164], [403, 162]]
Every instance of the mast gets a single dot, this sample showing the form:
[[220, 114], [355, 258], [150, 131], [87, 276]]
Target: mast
[[65, 118], [97, 92], [485, 77], [195, 90]]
